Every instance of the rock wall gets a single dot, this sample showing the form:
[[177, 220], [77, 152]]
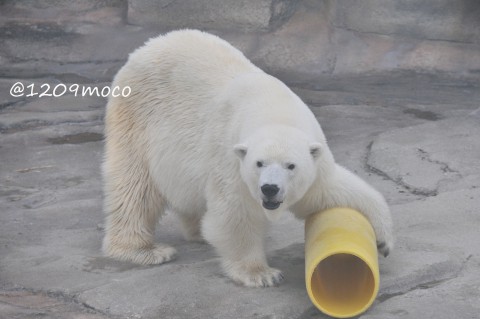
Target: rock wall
[[293, 39], [233, 15], [394, 84]]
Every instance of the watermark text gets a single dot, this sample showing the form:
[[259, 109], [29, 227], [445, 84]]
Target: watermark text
[[19, 89]]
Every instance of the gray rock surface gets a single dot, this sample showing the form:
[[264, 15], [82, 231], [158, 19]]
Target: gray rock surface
[[394, 84], [245, 15], [439, 20], [307, 38], [430, 152]]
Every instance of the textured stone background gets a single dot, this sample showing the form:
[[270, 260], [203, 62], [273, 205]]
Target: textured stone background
[[303, 38], [395, 85]]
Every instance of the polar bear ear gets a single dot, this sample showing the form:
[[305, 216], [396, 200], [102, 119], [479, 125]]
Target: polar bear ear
[[315, 150], [240, 150]]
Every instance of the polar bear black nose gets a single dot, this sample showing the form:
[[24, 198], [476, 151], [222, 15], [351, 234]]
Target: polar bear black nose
[[270, 190]]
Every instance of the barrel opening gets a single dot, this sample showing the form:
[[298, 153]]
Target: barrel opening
[[343, 285]]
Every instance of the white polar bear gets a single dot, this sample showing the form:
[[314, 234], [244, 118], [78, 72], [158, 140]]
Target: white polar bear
[[226, 146]]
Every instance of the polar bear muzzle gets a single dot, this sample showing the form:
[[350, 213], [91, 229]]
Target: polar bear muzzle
[[270, 191]]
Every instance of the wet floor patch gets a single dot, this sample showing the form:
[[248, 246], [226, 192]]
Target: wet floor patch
[[78, 138], [105, 264], [424, 115]]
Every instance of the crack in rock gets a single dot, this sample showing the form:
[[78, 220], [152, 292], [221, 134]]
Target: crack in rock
[[428, 284], [399, 180], [443, 166], [421, 286]]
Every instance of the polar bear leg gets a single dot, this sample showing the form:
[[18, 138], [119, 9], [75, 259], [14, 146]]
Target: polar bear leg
[[347, 189], [238, 237], [133, 206], [191, 226]]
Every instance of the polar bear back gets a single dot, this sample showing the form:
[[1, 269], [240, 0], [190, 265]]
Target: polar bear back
[[191, 60], [194, 96]]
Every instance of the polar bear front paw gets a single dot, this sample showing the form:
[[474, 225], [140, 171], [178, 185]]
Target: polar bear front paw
[[385, 241], [256, 276], [383, 248], [384, 235]]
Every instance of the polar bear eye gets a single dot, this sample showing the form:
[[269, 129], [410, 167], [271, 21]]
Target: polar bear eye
[[259, 164], [291, 167]]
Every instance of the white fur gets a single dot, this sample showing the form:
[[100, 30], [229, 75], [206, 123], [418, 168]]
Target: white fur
[[189, 137]]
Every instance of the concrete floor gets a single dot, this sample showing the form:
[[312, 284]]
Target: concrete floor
[[415, 137], [399, 103]]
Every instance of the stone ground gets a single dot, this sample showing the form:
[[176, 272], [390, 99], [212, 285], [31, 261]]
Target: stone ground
[[414, 135]]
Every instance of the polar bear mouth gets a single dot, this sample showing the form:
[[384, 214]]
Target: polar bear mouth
[[271, 205]]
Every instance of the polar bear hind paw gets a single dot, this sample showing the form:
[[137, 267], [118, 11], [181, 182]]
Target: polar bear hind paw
[[259, 277], [154, 255]]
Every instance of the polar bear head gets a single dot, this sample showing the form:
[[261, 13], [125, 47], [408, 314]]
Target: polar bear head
[[278, 165]]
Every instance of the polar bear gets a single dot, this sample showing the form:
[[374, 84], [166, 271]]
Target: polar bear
[[227, 147]]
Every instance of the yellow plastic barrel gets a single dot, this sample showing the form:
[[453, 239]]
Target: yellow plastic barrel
[[341, 262]]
